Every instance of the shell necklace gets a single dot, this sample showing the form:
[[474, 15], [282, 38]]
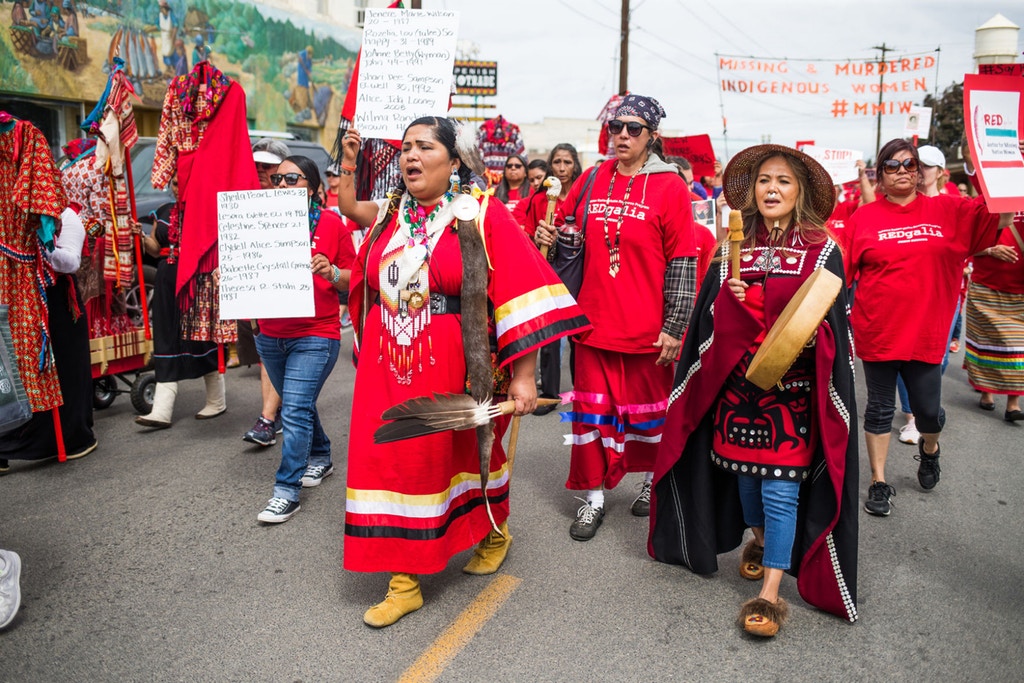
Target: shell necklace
[[613, 249]]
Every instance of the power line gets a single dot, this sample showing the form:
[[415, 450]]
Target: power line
[[587, 16], [714, 9], [606, 9], [676, 64]]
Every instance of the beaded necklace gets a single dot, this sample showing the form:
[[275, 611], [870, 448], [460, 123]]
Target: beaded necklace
[[417, 218], [613, 249]]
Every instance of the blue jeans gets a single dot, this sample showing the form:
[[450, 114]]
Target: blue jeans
[[298, 369], [771, 504]]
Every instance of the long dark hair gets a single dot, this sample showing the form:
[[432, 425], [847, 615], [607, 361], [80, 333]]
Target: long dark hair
[[503, 188]]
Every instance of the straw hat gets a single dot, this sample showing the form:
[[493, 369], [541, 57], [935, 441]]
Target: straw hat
[[736, 180]]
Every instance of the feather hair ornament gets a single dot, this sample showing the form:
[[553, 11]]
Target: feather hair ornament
[[468, 149]]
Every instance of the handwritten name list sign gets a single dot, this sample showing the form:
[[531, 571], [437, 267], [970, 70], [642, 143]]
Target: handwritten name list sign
[[405, 70], [263, 242]]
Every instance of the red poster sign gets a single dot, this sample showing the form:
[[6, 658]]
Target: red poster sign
[[698, 151], [994, 122]]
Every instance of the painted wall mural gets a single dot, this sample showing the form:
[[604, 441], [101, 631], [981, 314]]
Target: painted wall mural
[[294, 69]]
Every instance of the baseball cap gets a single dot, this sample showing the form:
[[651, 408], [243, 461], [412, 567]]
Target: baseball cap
[[931, 156]]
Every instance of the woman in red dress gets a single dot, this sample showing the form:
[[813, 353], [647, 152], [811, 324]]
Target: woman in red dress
[[413, 504]]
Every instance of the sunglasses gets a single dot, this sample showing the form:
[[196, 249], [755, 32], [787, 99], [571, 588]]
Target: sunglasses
[[891, 166], [290, 179], [513, 166], [265, 167], [633, 128], [331, 174]]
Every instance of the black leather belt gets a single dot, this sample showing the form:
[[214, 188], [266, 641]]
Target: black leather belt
[[440, 304]]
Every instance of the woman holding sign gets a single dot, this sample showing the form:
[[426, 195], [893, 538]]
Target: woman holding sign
[[299, 353], [414, 504], [906, 253], [782, 460]]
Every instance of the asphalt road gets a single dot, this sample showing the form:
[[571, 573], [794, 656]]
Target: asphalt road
[[144, 562]]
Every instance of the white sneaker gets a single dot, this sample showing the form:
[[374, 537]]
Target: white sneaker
[[10, 586], [909, 433]]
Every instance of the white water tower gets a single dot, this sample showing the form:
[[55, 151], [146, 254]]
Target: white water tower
[[995, 42]]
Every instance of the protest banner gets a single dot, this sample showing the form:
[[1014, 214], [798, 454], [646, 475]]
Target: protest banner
[[842, 89], [698, 151], [841, 164], [405, 69], [264, 251], [993, 122]]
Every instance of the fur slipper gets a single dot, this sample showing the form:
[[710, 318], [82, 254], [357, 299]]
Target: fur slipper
[[750, 562], [762, 618]]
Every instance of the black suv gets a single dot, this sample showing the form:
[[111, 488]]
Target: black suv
[[148, 199]]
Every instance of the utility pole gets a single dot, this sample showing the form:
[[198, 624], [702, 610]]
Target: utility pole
[[881, 90], [624, 49]]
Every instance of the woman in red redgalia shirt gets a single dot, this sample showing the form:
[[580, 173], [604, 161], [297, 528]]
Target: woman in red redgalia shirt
[[906, 253]]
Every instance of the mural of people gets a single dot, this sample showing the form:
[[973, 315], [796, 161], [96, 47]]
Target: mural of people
[[19, 16], [168, 25], [292, 66], [302, 94], [201, 51]]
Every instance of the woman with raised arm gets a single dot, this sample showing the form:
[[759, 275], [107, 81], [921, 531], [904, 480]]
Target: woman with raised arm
[[411, 505]]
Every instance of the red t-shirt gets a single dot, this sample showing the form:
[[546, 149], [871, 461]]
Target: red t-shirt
[[656, 227], [529, 212], [837, 222], [1000, 275], [707, 247], [908, 262], [514, 197], [332, 199], [333, 240]]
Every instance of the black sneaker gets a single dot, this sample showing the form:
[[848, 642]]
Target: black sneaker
[[4, 467], [878, 502], [278, 510], [928, 471], [278, 422], [588, 519], [262, 433], [642, 505], [315, 474]]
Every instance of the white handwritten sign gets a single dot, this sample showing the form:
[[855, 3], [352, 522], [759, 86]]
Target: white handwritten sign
[[264, 250], [405, 70], [841, 164]]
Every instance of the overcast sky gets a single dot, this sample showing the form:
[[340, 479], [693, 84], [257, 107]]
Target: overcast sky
[[559, 58]]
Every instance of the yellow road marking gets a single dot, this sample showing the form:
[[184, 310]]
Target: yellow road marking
[[442, 651]]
